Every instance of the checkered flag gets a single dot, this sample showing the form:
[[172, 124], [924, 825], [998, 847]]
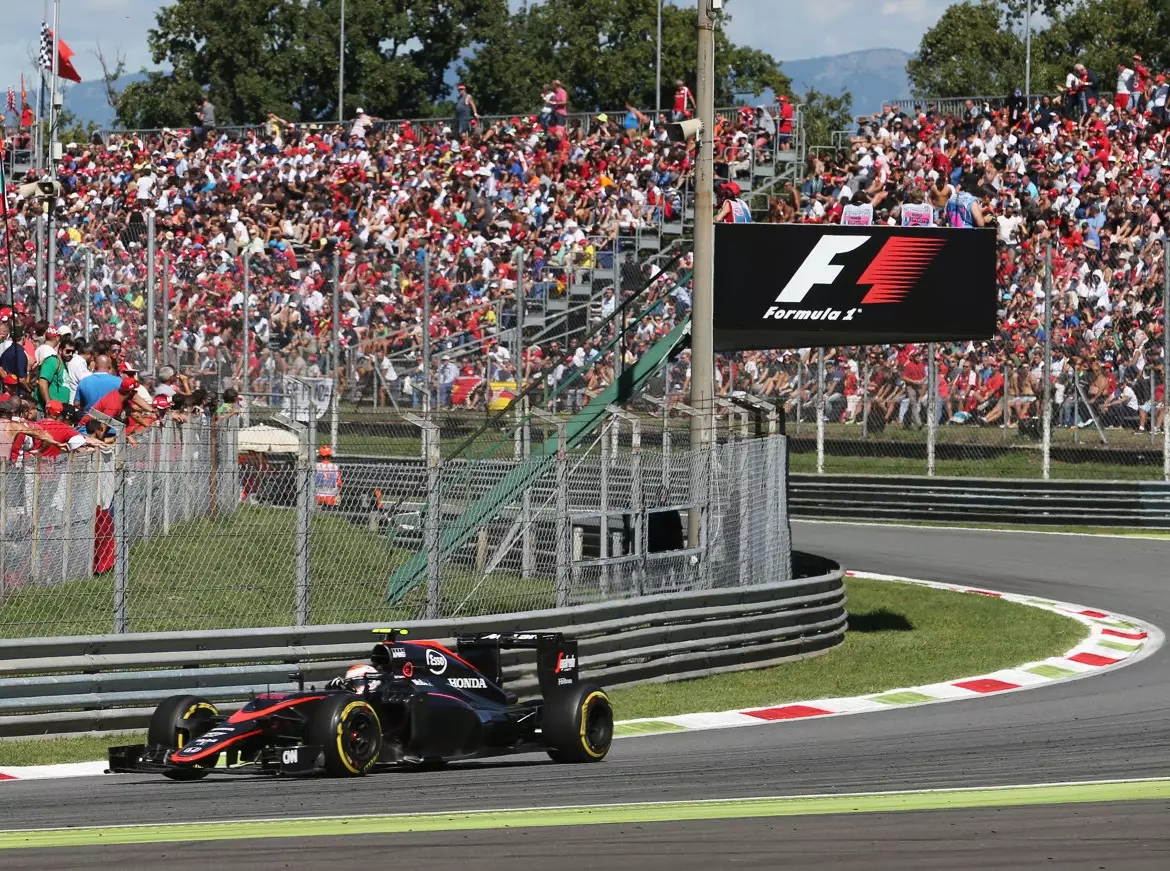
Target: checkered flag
[[46, 56]]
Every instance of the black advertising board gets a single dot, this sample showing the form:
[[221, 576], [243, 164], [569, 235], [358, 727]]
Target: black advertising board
[[808, 285]]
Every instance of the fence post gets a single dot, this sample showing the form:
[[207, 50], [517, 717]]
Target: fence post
[[1005, 421], [305, 499], [931, 407], [35, 564], [1046, 423], [1165, 361], [4, 537], [151, 446], [562, 535], [603, 522], [151, 295], [166, 462], [820, 411], [865, 395], [121, 554], [799, 390], [526, 496], [67, 517], [337, 380], [433, 519], [87, 295]]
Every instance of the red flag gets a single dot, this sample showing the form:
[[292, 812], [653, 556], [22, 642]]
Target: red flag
[[65, 64]]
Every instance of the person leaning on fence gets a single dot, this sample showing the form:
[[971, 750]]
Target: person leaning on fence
[[327, 478]]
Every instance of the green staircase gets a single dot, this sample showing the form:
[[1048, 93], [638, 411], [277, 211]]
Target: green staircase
[[512, 485]]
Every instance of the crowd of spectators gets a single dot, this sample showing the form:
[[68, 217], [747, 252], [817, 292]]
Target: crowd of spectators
[[1080, 173], [397, 204], [472, 202]]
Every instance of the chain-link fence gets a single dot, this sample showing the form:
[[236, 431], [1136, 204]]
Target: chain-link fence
[[868, 411], [236, 525], [98, 541]]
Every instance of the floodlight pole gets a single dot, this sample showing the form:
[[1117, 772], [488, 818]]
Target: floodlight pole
[[341, 68], [702, 306]]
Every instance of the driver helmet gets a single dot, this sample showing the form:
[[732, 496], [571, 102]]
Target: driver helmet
[[360, 676]]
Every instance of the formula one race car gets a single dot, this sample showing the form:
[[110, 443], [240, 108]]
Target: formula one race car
[[416, 703]]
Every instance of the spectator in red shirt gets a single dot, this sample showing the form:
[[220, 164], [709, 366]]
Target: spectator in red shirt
[[914, 382]]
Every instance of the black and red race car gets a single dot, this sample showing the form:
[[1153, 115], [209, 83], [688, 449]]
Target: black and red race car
[[416, 703]]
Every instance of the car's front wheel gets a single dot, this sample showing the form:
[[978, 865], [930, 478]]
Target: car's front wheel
[[577, 723], [178, 721], [349, 732]]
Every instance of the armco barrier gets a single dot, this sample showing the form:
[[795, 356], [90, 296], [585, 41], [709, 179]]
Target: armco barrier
[[107, 682], [985, 500]]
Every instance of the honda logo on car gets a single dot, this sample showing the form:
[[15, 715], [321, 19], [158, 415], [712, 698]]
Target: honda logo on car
[[467, 683], [436, 662]]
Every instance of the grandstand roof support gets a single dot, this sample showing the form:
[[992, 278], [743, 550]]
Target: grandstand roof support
[[703, 299]]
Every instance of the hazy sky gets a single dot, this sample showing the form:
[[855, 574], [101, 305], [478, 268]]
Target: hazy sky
[[789, 29]]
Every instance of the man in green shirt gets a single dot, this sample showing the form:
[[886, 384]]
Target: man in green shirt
[[51, 378]]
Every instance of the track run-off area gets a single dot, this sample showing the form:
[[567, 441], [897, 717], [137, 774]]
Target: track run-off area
[[662, 797]]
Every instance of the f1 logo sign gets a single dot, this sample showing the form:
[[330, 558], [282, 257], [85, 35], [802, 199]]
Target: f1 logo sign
[[897, 267], [818, 267]]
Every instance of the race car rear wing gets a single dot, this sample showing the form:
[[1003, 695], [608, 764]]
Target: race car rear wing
[[556, 655]]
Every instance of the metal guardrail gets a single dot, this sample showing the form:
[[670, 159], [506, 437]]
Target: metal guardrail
[[989, 500], [109, 682]]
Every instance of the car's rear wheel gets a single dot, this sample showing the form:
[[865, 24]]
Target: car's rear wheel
[[577, 723], [178, 721], [349, 732]]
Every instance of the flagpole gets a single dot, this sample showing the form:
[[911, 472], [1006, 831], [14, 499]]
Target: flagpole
[[7, 241], [51, 278]]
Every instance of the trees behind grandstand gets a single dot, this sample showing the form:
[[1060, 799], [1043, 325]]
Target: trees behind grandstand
[[977, 48], [604, 53], [258, 56]]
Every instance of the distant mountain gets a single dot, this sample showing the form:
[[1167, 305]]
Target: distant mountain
[[871, 76], [88, 100]]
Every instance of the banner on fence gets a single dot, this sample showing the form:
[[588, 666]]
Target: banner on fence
[[302, 395], [810, 285]]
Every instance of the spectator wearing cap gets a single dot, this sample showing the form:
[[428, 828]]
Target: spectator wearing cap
[[51, 374], [448, 372], [48, 347], [52, 435], [913, 382], [94, 387], [465, 109]]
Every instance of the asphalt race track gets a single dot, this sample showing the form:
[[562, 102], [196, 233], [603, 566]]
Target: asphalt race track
[[1114, 726]]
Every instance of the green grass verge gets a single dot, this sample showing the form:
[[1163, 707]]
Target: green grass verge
[[899, 635], [51, 751], [239, 571]]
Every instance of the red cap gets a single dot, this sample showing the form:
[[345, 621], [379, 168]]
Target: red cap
[[53, 406], [52, 333], [125, 368], [129, 385], [161, 402], [10, 379]]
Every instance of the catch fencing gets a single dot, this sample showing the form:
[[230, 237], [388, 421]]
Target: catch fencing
[[71, 525], [182, 532]]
